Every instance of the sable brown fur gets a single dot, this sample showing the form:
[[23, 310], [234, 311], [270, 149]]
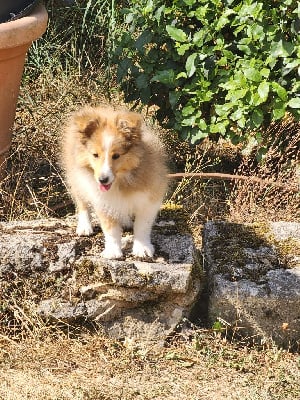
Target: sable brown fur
[[115, 165]]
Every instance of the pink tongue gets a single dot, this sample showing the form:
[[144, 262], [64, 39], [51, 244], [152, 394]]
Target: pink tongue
[[105, 188]]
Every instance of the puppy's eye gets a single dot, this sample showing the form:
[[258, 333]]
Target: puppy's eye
[[115, 156], [95, 155]]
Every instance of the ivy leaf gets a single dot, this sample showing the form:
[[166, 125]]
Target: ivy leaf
[[129, 18], [174, 96], [142, 81], [202, 124], [223, 20], [236, 94], [190, 64], [296, 113], [237, 114], [166, 77], [145, 94], [181, 75], [123, 67], [149, 7], [265, 72], [294, 103], [257, 118], [159, 12], [181, 50], [255, 99], [190, 121], [223, 109], [219, 127], [281, 92], [279, 108], [252, 74], [142, 40], [241, 122], [198, 136], [188, 110], [263, 90], [281, 48], [198, 38], [176, 34]]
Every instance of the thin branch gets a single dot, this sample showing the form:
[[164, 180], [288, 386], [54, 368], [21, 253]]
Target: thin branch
[[229, 177]]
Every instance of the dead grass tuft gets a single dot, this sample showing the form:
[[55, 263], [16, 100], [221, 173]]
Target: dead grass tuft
[[200, 365], [280, 164], [34, 186], [274, 198]]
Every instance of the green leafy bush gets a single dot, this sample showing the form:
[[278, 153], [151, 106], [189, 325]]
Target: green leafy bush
[[212, 67]]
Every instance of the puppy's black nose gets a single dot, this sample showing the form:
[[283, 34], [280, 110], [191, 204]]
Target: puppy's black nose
[[104, 180]]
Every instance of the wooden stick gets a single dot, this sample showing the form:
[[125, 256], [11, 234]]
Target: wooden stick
[[219, 176]]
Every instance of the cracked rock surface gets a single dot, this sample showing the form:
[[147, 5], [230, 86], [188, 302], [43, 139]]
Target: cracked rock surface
[[69, 281], [254, 278]]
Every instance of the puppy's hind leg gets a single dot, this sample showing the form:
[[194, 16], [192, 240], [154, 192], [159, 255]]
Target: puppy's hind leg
[[84, 226]]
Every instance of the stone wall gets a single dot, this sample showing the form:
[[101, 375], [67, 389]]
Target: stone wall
[[68, 281], [254, 279], [252, 276]]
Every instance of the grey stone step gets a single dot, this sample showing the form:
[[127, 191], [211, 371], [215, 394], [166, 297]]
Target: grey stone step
[[254, 279], [69, 281]]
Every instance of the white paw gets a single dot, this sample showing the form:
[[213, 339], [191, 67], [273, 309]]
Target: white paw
[[141, 249], [112, 252], [84, 226], [86, 230]]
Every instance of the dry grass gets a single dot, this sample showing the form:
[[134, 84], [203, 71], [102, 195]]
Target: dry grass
[[94, 367], [256, 202], [34, 186], [275, 198]]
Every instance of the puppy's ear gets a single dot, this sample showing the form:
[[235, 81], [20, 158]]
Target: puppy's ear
[[129, 124], [86, 124]]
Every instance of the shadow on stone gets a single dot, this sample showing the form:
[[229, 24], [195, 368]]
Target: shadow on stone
[[51, 273], [254, 280]]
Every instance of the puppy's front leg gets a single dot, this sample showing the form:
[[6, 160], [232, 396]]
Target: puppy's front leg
[[112, 235], [144, 219], [84, 226]]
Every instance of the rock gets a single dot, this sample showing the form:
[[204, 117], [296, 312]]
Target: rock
[[70, 282], [254, 279], [253, 276]]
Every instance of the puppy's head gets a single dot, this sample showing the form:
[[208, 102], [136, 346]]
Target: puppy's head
[[110, 142]]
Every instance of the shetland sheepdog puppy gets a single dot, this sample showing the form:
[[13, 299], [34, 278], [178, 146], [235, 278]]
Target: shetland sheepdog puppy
[[116, 166]]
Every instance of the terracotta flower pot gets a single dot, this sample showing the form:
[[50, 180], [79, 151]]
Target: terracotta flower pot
[[15, 39]]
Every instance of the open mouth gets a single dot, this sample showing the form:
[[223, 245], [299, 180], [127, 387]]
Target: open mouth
[[105, 188]]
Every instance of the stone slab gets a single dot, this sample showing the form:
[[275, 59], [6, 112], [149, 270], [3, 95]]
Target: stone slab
[[69, 281], [254, 279]]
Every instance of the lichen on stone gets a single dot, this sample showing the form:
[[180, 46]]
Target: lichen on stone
[[176, 218], [244, 251]]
